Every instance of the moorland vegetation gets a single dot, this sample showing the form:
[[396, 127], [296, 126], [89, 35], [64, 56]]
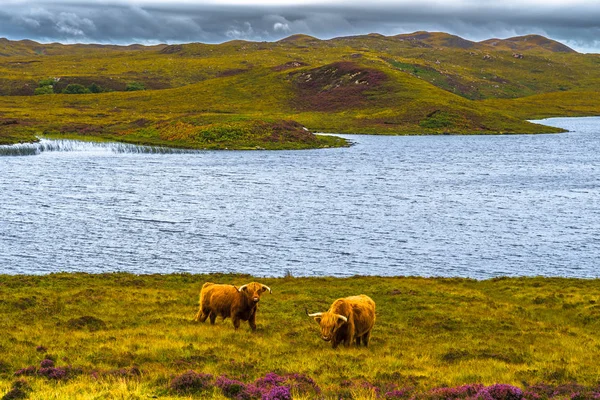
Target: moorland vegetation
[[118, 335], [250, 95]]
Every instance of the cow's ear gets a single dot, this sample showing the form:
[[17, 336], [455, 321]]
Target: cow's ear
[[318, 319]]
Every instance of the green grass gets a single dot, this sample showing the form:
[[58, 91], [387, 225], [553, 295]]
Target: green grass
[[429, 332]]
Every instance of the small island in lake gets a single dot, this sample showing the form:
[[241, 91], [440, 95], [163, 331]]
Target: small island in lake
[[272, 95]]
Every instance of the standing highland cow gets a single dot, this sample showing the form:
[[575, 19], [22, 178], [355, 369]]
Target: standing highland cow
[[240, 303], [348, 319]]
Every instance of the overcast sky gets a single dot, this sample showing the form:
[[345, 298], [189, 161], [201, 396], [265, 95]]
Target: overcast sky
[[575, 23]]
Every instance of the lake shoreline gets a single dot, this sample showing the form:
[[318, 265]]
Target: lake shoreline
[[334, 140], [30, 136]]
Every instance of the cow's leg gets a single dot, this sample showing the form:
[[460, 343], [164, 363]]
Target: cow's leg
[[348, 340], [213, 317], [202, 315], [198, 315], [252, 320], [366, 338], [358, 340], [236, 321]]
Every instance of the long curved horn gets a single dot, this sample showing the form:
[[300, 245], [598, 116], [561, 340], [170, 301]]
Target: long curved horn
[[241, 288], [317, 314], [268, 288], [342, 318]]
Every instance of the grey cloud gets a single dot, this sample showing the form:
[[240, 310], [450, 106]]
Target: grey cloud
[[71, 24], [577, 25]]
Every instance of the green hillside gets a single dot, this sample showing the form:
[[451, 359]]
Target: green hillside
[[237, 94]]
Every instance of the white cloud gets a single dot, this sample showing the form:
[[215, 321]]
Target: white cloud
[[281, 27]]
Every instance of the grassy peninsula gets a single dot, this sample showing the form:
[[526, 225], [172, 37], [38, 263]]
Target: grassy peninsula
[[118, 335], [265, 95]]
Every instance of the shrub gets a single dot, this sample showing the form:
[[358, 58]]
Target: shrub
[[87, 321], [191, 382], [94, 88], [271, 387], [56, 373], [397, 394], [43, 90], [303, 384], [500, 392], [48, 371], [459, 392], [133, 86], [237, 390], [231, 388], [270, 380], [278, 393], [75, 88], [20, 389], [47, 82], [28, 371], [132, 372]]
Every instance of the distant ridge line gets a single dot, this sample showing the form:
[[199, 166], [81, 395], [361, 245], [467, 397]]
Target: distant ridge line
[[422, 38]]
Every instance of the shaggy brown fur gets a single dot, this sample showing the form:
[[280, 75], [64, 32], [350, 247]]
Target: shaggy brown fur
[[347, 320], [228, 301]]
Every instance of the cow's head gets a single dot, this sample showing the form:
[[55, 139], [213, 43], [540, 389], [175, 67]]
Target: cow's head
[[253, 291], [329, 323]]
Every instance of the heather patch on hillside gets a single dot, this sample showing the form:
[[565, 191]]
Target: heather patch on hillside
[[342, 85]]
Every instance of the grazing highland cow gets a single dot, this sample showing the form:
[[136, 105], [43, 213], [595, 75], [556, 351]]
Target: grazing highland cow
[[228, 301], [348, 319]]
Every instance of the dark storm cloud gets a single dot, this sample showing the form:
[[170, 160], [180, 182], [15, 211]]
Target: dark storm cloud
[[576, 24]]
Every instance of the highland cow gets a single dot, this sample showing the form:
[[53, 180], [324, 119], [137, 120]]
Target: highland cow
[[226, 301], [347, 320]]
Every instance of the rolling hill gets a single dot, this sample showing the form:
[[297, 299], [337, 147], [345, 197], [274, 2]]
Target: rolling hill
[[237, 94]]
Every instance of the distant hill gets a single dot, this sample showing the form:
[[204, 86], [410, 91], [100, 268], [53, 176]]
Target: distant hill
[[299, 39], [10, 48], [438, 39], [529, 43]]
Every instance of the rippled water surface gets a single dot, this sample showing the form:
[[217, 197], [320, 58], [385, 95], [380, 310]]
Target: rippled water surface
[[477, 206]]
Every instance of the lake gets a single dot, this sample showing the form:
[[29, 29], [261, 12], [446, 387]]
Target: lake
[[456, 206]]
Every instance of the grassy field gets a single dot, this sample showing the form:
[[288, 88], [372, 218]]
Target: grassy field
[[118, 335], [219, 96]]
